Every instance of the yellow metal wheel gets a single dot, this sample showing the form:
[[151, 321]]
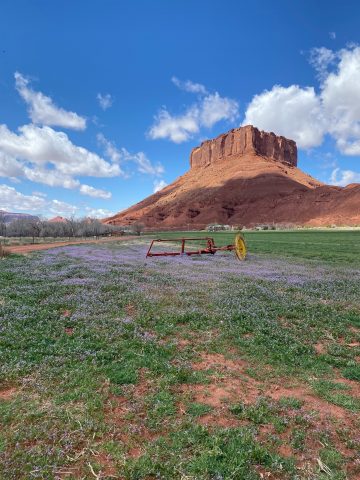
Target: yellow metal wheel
[[240, 247]]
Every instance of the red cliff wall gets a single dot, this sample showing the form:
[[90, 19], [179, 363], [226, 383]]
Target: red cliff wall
[[243, 141]]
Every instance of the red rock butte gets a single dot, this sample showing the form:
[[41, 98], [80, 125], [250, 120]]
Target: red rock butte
[[244, 141], [245, 177]]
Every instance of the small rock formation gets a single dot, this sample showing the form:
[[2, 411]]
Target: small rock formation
[[244, 141]]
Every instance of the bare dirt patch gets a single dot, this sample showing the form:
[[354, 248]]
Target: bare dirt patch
[[220, 419], [311, 402], [352, 384], [24, 249], [127, 415], [108, 469], [230, 383], [7, 393], [217, 361], [130, 309], [320, 348]]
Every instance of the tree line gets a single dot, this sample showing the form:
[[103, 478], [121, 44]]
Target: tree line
[[72, 227]]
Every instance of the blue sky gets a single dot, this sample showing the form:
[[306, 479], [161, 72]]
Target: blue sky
[[102, 101]]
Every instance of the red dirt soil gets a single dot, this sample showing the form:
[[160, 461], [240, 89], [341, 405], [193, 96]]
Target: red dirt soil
[[244, 189]]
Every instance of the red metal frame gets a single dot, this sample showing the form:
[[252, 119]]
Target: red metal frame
[[210, 248]]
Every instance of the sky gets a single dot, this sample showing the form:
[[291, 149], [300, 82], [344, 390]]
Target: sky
[[101, 101]]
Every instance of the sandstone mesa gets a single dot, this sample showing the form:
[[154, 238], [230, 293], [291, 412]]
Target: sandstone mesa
[[245, 177]]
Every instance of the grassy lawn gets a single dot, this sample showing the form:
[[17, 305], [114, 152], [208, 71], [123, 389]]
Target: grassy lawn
[[113, 366]]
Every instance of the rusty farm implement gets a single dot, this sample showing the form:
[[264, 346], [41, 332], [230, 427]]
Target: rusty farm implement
[[209, 247]]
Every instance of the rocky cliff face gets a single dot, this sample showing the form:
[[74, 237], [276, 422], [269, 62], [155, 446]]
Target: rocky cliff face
[[244, 141]]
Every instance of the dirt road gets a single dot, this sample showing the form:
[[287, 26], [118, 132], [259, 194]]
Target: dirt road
[[24, 249]]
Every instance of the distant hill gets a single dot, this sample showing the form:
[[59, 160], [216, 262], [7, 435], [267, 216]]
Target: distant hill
[[57, 220], [10, 216]]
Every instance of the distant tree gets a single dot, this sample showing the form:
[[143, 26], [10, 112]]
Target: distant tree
[[2, 225], [72, 226], [34, 227], [97, 227], [137, 228], [18, 228]]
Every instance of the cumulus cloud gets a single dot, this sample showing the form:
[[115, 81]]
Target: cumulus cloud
[[49, 177], [46, 156], [94, 192], [340, 97], [305, 116], [215, 108], [43, 145], [293, 112], [344, 177], [43, 111], [159, 185], [60, 208], [116, 155], [105, 101], [178, 128], [13, 200], [206, 112], [189, 86], [98, 212], [9, 166]]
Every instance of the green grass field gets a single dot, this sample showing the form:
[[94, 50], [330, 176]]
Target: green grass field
[[337, 246], [186, 368]]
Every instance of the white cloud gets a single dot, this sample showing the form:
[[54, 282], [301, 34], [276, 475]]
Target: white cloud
[[43, 111], [215, 108], [60, 208], [110, 149], [9, 166], [321, 59], [340, 97], [293, 112], [98, 212], [159, 185], [94, 192], [105, 101], [207, 111], [178, 128], [344, 177], [189, 86], [305, 116], [43, 155], [52, 178], [39, 194], [12, 200], [144, 165]]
